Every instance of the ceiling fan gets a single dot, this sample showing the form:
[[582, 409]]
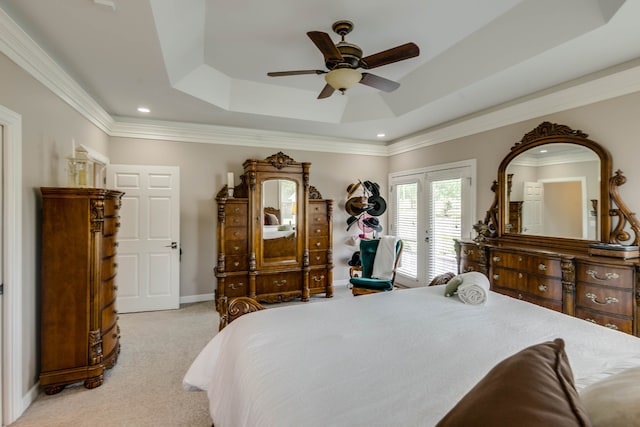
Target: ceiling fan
[[343, 59]]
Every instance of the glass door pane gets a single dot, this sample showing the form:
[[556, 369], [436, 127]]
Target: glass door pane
[[407, 227], [446, 225]]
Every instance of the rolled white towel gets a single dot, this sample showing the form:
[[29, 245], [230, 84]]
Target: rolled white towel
[[474, 289]]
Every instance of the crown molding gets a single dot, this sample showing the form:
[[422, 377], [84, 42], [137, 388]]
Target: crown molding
[[25, 52], [211, 134], [616, 81]]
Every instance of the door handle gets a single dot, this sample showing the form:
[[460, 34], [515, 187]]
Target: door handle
[[173, 245]]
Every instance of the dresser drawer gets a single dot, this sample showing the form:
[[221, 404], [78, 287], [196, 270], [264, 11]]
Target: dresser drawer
[[317, 257], [612, 322], [512, 260], [316, 243], [605, 275], [108, 268], [318, 279], [235, 214], [109, 245], [111, 207], [318, 214], [471, 253], [110, 338], [318, 231], [467, 266], [276, 283], [110, 226], [523, 296], [235, 247], [604, 299], [236, 286], [236, 263], [545, 266], [544, 287], [108, 291], [235, 233], [109, 314], [510, 279]]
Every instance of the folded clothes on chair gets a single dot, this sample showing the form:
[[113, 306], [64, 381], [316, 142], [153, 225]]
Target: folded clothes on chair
[[385, 258], [474, 289]]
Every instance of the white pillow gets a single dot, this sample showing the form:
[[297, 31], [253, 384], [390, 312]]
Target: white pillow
[[614, 401]]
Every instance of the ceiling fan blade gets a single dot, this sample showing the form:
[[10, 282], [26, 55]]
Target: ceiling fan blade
[[398, 53], [326, 46], [379, 82], [326, 92], [294, 73]]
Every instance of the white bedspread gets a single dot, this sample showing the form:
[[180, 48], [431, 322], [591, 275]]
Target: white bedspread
[[401, 358]]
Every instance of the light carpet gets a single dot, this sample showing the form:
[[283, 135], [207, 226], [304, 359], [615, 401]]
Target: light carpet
[[145, 387]]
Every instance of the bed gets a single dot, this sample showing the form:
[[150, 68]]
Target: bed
[[401, 358]]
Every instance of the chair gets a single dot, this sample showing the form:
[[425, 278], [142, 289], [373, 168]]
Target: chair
[[365, 284]]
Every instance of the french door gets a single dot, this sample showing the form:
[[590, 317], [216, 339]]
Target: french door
[[429, 209]]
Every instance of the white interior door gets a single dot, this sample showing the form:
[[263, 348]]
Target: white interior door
[[149, 237], [532, 206], [1, 273]]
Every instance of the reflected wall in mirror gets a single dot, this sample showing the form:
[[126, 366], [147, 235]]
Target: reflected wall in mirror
[[279, 209], [553, 190]]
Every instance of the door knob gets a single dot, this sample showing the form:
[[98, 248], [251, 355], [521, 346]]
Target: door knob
[[173, 245]]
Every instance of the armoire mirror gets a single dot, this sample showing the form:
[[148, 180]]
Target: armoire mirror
[[279, 209]]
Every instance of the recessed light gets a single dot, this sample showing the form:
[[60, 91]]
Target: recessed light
[[543, 151], [144, 110], [381, 135]]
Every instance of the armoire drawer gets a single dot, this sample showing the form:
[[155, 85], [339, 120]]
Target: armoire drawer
[[317, 257], [236, 286], [281, 282], [235, 214], [110, 339], [236, 263], [316, 243], [318, 279], [467, 266]]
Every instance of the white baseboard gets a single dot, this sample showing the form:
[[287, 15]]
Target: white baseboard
[[196, 298]]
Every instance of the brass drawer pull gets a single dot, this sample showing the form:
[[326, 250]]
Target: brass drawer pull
[[607, 276], [607, 300], [116, 244], [591, 321], [236, 210], [519, 296], [235, 264], [236, 233], [317, 258], [234, 286], [318, 244], [236, 248], [542, 267], [318, 279], [468, 252], [519, 275], [496, 259], [496, 277], [611, 326], [318, 230], [469, 268], [280, 283], [542, 288], [115, 265]]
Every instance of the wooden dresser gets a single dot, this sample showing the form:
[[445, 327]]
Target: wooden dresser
[[79, 325], [542, 255], [267, 262]]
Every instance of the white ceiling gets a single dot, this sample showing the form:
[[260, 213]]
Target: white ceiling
[[205, 61]]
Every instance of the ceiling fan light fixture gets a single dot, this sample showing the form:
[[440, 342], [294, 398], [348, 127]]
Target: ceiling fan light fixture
[[343, 78]]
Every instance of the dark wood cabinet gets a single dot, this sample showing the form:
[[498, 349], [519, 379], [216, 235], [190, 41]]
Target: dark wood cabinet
[[274, 235], [80, 337]]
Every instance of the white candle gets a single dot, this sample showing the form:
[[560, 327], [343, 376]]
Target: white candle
[[73, 148], [230, 180]]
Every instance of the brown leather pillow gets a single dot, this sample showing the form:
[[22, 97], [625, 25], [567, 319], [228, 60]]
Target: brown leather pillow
[[534, 387]]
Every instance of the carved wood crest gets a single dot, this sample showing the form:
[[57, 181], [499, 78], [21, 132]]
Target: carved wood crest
[[548, 129], [280, 160]]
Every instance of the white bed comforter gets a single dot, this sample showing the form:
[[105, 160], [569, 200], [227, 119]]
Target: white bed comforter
[[400, 358]]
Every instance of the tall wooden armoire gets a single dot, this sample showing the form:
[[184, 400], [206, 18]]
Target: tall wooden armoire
[[79, 326]]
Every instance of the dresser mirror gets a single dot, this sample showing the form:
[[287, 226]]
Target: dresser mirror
[[554, 190], [279, 208]]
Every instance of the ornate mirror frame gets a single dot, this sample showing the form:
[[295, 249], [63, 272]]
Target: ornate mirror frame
[[494, 224]]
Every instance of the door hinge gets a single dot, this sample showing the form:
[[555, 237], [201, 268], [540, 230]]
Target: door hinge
[[1, 288]]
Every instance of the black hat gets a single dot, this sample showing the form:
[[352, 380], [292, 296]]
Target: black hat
[[350, 221], [372, 187], [355, 259], [372, 223], [378, 206]]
